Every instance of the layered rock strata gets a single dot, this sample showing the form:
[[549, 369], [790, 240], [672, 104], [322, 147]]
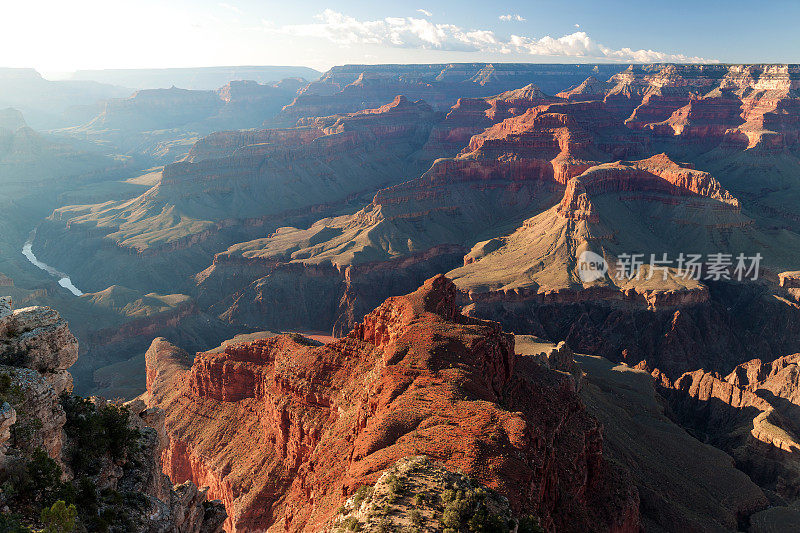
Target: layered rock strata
[[306, 426]]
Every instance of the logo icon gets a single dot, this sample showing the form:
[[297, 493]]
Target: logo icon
[[591, 267]]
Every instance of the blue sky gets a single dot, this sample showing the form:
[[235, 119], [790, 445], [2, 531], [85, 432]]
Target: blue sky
[[60, 36]]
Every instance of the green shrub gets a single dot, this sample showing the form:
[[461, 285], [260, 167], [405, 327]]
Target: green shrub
[[351, 524], [363, 493], [394, 484], [5, 382], [43, 481], [529, 524], [468, 511], [59, 518], [96, 433], [11, 523]]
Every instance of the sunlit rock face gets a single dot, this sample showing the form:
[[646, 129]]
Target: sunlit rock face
[[306, 425]]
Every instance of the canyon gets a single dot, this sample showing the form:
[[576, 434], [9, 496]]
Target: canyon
[[409, 218], [471, 184]]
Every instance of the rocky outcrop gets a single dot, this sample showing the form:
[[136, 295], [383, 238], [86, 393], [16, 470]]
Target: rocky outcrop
[[657, 174], [590, 89], [751, 414], [39, 415], [39, 339], [684, 484], [36, 348], [393, 501], [790, 280], [38, 412], [306, 426]]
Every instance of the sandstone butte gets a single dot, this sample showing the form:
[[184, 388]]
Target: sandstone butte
[[283, 431]]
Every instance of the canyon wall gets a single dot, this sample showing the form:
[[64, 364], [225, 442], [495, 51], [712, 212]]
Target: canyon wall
[[315, 423]]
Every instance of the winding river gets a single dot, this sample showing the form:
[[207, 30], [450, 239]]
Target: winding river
[[63, 279]]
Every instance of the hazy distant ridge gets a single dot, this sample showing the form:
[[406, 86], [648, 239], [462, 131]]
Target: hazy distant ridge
[[201, 78]]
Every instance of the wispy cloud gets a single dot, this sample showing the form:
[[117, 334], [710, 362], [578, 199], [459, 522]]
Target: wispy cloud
[[410, 32], [509, 18], [425, 12], [230, 7]]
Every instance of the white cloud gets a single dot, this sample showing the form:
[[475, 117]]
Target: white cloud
[[230, 7], [509, 18], [410, 32], [425, 12]]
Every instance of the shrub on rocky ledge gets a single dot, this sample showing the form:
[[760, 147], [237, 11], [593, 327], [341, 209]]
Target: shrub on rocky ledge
[[96, 432], [418, 494]]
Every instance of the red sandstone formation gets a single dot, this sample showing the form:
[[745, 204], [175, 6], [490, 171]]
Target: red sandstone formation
[[743, 105], [470, 116], [656, 174], [562, 139], [513, 103], [283, 431], [711, 118], [670, 86], [590, 89]]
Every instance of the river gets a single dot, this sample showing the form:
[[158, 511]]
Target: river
[[63, 279]]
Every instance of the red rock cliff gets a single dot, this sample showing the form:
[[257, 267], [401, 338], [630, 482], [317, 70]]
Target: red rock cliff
[[283, 431]]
